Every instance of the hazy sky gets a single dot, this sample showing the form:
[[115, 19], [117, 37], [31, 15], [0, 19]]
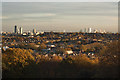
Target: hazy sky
[[59, 16]]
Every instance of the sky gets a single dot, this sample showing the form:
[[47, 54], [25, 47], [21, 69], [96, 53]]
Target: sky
[[59, 16], [60, 0]]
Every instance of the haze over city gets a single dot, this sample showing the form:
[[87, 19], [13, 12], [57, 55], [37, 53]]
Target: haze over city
[[59, 16]]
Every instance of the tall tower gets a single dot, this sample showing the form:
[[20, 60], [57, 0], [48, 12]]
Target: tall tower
[[34, 31], [16, 29], [21, 30], [85, 30], [89, 30]]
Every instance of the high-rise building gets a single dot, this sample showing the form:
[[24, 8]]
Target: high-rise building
[[89, 30], [21, 30], [16, 29], [34, 31], [85, 30]]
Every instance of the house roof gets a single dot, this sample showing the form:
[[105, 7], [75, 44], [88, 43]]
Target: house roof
[[69, 52]]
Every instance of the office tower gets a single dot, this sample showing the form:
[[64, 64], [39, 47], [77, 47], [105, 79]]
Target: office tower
[[89, 30], [16, 29], [21, 30], [85, 30], [34, 31]]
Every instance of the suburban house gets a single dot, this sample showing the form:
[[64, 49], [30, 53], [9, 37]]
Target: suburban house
[[69, 52]]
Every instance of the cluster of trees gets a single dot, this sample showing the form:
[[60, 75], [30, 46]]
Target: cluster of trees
[[17, 57], [19, 63], [94, 47], [110, 54], [32, 46]]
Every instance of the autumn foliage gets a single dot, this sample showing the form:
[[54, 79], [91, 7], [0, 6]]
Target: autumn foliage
[[21, 63]]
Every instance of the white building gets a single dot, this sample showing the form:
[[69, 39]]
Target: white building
[[89, 30], [104, 31], [46, 55], [41, 32], [69, 52], [51, 45], [5, 48], [95, 31], [24, 33], [37, 33], [54, 54]]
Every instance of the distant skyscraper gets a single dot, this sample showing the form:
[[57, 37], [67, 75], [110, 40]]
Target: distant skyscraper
[[85, 30], [34, 31], [21, 30], [89, 30], [16, 29]]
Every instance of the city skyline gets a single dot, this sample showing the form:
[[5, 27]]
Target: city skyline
[[60, 16], [19, 30]]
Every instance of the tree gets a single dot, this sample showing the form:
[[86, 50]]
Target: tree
[[17, 57], [32, 46], [83, 47], [110, 54], [42, 46], [60, 50]]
